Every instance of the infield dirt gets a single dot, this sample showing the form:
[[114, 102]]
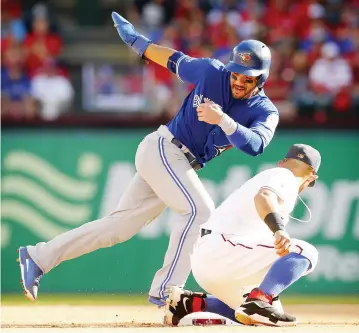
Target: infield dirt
[[313, 318]]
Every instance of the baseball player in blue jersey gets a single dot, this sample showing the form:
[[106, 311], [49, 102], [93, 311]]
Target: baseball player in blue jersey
[[226, 108]]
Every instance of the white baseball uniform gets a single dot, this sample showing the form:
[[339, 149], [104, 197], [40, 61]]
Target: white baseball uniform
[[235, 257]]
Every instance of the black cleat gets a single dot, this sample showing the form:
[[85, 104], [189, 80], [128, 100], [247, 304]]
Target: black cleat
[[259, 310], [181, 303]]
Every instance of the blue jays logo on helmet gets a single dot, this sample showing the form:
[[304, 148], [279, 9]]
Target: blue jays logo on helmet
[[245, 57], [252, 58]]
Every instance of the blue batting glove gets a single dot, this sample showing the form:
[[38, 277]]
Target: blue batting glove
[[138, 43]]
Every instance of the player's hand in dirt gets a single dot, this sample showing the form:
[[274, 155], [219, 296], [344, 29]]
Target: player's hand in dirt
[[209, 112], [282, 242]]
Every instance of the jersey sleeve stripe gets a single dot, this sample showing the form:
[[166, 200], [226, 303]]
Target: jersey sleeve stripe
[[178, 62], [248, 247], [273, 190]]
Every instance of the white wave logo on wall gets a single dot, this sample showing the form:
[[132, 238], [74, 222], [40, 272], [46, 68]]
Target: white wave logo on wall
[[46, 201]]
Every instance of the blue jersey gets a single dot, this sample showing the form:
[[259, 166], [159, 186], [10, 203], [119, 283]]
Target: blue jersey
[[15, 89], [212, 81]]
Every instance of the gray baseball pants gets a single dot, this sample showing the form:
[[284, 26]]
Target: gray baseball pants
[[164, 178]]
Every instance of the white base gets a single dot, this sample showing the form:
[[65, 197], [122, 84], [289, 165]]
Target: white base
[[206, 319]]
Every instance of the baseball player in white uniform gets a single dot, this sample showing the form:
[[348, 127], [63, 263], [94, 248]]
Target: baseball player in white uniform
[[244, 256]]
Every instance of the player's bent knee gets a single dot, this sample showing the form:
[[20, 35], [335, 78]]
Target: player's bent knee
[[120, 238], [308, 251], [202, 213]]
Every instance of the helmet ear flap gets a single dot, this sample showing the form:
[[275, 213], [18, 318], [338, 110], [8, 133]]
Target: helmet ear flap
[[260, 81]]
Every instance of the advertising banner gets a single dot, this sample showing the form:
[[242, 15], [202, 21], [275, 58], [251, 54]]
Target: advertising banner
[[56, 180]]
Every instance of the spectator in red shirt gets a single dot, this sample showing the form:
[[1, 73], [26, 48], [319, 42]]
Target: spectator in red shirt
[[222, 34], [279, 21], [278, 86], [187, 9], [41, 44], [304, 12]]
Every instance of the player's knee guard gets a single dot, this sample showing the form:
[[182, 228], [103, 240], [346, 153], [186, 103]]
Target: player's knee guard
[[308, 251]]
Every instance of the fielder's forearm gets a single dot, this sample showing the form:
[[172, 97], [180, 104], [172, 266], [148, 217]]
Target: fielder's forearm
[[267, 206], [159, 54]]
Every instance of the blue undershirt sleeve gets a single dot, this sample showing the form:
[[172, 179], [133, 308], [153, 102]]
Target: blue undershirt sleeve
[[246, 140], [254, 139]]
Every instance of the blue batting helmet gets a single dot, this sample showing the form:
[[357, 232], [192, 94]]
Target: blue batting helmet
[[252, 58]]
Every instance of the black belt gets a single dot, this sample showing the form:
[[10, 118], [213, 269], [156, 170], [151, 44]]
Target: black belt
[[205, 232], [190, 157]]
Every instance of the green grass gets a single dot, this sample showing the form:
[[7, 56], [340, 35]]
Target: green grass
[[141, 299], [321, 299], [76, 299]]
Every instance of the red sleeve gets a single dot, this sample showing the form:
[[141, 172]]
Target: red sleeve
[[54, 44], [29, 39]]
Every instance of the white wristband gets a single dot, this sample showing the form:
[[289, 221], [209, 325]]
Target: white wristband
[[227, 124]]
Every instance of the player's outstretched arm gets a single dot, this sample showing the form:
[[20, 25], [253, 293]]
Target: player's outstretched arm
[[140, 44], [186, 68], [266, 202], [159, 54]]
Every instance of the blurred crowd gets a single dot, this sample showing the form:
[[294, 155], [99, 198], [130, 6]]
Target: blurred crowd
[[314, 43], [315, 46], [33, 84]]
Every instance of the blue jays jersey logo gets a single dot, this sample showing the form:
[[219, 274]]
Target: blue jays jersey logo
[[212, 82], [220, 149], [197, 100]]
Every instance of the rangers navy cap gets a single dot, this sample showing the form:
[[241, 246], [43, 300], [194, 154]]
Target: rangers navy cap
[[306, 154]]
